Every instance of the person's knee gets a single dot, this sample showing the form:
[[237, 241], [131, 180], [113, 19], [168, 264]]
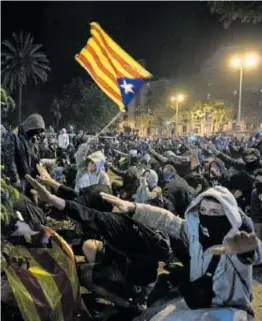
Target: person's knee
[[89, 249]]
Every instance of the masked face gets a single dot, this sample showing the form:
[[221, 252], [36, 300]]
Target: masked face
[[215, 171], [32, 133], [213, 224], [250, 158]]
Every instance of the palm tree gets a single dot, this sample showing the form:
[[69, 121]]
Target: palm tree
[[22, 62]]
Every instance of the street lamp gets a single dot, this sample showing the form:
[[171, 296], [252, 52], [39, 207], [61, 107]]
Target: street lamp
[[243, 62], [179, 98]]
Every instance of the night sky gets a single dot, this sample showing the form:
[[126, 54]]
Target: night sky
[[177, 39]]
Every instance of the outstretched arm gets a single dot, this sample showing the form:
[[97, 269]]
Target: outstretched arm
[[159, 157], [152, 216], [227, 159], [117, 171]]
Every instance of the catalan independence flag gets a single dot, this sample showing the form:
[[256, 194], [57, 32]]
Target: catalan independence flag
[[114, 70]]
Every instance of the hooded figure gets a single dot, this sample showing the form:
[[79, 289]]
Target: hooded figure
[[176, 191], [148, 191], [216, 174], [251, 160], [94, 173], [211, 217], [130, 177], [20, 153], [241, 185]]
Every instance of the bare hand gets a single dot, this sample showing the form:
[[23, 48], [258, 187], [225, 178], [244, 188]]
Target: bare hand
[[42, 192], [124, 206], [45, 178], [240, 242]]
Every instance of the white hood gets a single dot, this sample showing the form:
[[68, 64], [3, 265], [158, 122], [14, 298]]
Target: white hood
[[225, 198]]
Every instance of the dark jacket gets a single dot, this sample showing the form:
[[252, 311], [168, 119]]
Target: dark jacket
[[256, 207], [20, 154], [130, 181], [240, 164], [177, 195], [124, 238]]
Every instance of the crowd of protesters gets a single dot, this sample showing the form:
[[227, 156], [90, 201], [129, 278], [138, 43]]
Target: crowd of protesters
[[139, 201]]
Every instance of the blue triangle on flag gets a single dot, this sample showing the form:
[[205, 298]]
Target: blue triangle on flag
[[129, 87]]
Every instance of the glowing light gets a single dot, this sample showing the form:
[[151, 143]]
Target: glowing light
[[236, 62], [251, 60], [247, 61], [180, 97]]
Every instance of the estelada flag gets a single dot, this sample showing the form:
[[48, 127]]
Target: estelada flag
[[48, 288], [114, 70]]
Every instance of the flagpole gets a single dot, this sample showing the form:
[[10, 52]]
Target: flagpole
[[110, 123]]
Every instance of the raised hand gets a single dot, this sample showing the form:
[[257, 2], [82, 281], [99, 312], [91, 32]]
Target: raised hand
[[45, 178], [42, 192], [238, 243], [123, 206]]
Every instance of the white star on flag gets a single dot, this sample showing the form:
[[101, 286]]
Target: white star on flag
[[128, 88]]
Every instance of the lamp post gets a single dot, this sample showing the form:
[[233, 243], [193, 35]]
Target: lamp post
[[179, 98], [243, 62]]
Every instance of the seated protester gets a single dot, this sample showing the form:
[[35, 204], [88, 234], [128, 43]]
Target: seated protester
[[222, 249], [251, 160], [181, 163], [241, 185], [127, 189], [177, 194], [149, 192], [216, 173], [58, 172], [256, 203], [126, 263], [198, 182], [94, 172]]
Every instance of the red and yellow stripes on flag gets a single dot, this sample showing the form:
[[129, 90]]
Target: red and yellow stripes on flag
[[49, 288], [105, 61]]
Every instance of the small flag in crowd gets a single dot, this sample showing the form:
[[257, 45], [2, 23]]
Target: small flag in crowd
[[114, 71]]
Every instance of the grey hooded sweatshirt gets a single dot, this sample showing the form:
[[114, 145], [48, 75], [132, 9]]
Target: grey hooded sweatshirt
[[229, 289]]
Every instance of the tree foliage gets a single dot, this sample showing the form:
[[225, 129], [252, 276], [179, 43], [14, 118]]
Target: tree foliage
[[22, 62], [230, 11], [7, 104], [84, 105], [216, 110], [8, 195]]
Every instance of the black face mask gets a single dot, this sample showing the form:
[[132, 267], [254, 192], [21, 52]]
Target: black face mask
[[212, 230], [252, 165]]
